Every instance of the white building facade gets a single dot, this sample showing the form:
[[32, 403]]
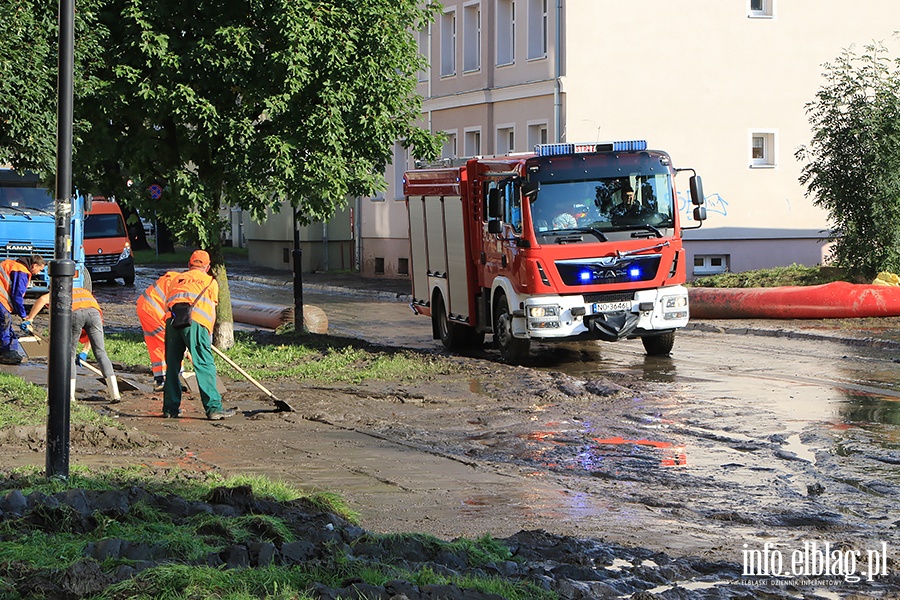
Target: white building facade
[[721, 85]]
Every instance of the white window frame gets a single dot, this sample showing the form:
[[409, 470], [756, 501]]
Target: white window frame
[[708, 268], [472, 142], [471, 37], [538, 133], [769, 156], [506, 32], [400, 162], [422, 41], [450, 149], [765, 9], [538, 23], [448, 43], [506, 138]]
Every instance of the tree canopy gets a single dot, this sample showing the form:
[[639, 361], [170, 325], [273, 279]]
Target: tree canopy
[[29, 32], [852, 163], [221, 102], [253, 102]]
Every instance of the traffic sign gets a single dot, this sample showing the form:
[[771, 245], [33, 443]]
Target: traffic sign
[[155, 191]]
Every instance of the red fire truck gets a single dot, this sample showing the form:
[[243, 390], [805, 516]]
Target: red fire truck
[[574, 241]]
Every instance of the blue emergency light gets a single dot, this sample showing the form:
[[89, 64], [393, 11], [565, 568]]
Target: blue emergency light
[[579, 148]]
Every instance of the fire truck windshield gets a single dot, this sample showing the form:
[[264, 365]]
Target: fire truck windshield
[[609, 204]]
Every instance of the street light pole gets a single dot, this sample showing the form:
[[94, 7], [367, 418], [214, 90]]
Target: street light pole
[[62, 268]]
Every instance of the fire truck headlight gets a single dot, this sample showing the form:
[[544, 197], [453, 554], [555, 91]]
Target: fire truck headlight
[[125, 253], [675, 307], [543, 317]]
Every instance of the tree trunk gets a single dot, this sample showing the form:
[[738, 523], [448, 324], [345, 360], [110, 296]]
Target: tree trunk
[[223, 333], [136, 233], [164, 242]]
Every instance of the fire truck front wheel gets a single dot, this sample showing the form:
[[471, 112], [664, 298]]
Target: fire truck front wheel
[[659, 345], [512, 349], [454, 336]]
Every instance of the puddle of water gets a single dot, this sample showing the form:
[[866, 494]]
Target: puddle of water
[[798, 448]]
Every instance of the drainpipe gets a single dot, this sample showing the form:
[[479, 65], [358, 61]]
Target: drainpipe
[[557, 62]]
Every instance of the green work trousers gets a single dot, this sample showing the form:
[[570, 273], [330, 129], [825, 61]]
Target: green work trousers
[[195, 339]]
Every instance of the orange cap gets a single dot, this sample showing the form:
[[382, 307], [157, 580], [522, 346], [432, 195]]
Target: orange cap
[[200, 258]]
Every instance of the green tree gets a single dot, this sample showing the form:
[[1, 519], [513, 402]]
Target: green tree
[[852, 163], [29, 33], [251, 103]]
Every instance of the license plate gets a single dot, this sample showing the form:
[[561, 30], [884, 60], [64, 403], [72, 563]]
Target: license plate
[[605, 307], [102, 269]]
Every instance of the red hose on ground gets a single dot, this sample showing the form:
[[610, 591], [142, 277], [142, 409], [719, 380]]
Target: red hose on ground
[[829, 301]]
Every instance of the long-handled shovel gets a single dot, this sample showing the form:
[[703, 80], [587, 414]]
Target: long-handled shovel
[[281, 405], [124, 384]]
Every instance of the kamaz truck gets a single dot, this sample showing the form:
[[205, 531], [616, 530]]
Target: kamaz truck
[[28, 226], [573, 241]]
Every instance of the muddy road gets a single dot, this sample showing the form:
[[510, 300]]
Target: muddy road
[[733, 445]]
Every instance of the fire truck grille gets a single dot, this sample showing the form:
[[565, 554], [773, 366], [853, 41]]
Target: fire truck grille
[[610, 297], [629, 269]]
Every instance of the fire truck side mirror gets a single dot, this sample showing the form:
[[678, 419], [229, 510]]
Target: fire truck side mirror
[[495, 204], [697, 190], [530, 189], [495, 226], [699, 213]]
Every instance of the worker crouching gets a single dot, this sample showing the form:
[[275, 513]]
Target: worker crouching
[[191, 302]]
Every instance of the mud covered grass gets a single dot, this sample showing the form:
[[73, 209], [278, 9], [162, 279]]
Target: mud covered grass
[[775, 277], [321, 358], [138, 533]]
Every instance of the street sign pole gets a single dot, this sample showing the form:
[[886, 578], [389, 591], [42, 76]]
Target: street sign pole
[[62, 268]]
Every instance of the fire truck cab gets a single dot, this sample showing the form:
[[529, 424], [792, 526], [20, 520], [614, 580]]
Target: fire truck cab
[[574, 241]]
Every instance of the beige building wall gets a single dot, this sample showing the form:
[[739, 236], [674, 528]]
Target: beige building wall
[[717, 75]]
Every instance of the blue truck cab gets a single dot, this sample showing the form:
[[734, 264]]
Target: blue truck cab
[[28, 226]]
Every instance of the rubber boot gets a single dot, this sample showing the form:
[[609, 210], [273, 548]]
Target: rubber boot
[[113, 387], [72, 391]]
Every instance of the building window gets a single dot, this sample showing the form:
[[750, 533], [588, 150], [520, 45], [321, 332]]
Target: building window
[[537, 134], [506, 32], [424, 50], [448, 44], [537, 29], [710, 264], [473, 143], [472, 37], [400, 164], [402, 266], [506, 140], [763, 151], [449, 149], [379, 265], [761, 8]]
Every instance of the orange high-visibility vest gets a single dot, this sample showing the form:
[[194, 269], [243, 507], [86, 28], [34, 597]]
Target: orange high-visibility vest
[[152, 303], [186, 287], [81, 299], [6, 269]]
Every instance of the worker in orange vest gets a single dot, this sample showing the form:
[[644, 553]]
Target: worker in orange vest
[[151, 310], [15, 276], [191, 301], [86, 315]]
